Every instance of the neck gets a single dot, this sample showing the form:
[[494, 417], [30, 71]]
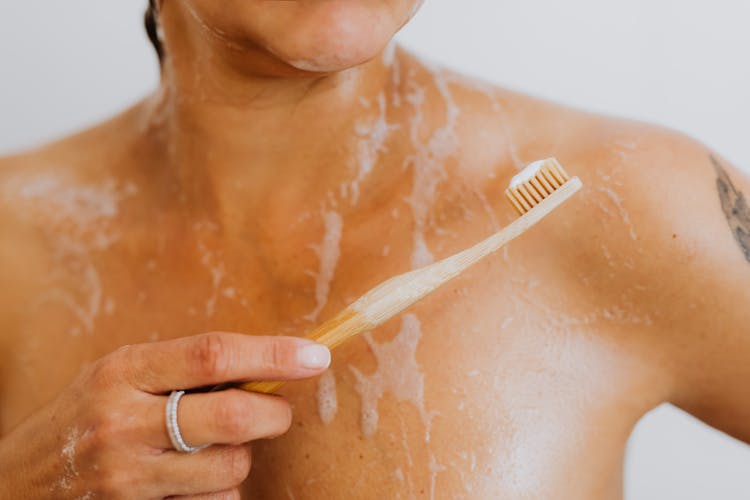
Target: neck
[[220, 122]]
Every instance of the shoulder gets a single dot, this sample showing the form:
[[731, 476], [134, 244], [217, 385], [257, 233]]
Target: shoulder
[[636, 175], [644, 230], [65, 172], [641, 181], [52, 195], [646, 167]]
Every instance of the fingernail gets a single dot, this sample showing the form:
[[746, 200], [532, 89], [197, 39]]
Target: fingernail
[[314, 356]]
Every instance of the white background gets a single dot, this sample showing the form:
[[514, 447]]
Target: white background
[[680, 63]]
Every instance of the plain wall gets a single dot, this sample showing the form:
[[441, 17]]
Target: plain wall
[[679, 63]]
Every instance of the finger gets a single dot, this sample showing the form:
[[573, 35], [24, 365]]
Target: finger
[[227, 417], [233, 494], [217, 468], [216, 358]]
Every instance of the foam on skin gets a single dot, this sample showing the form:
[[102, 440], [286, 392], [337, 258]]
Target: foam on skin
[[371, 143], [397, 373], [327, 397], [79, 217], [218, 272], [70, 472], [428, 163], [328, 253]]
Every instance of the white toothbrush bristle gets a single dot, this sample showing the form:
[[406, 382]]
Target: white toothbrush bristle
[[535, 183]]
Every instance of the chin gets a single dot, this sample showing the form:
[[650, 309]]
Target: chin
[[320, 36], [335, 35]]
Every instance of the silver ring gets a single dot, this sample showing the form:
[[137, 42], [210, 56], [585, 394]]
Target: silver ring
[[173, 428]]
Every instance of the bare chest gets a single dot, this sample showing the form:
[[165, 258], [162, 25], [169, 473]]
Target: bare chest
[[489, 388]]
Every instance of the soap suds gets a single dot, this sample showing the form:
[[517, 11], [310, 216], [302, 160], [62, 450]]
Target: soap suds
[[217, 272], [558, 323], [397, 373], [407, 453], [493, 95], [70, 472], [328, 252], [435, 469], [388, 54], [213, 262], [84, 301], [371, 139], [327, 398], [428, 163], [81, 209], [617, 201], [76, 220], [398, 475], [396, 83]]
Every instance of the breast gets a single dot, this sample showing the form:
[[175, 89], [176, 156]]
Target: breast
[[485, 390]]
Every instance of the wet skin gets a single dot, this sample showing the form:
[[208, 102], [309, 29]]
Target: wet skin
[[535, 364]]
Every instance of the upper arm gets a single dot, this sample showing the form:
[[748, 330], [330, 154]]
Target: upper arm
[[716, 367], [691, 256]]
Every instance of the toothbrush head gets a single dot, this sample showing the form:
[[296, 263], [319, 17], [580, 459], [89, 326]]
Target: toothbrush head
[[535, 183]]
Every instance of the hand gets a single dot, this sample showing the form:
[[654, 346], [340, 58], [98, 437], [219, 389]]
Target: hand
[[105, 436]]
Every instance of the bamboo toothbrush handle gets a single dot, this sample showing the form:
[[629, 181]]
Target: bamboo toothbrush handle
[[396, 294]]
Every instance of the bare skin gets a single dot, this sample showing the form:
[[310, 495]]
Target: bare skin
[[521, 379]]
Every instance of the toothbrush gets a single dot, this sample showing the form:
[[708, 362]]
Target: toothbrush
[[534, 193]]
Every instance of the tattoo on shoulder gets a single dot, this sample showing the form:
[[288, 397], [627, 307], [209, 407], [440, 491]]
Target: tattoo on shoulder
[[735, 207]]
